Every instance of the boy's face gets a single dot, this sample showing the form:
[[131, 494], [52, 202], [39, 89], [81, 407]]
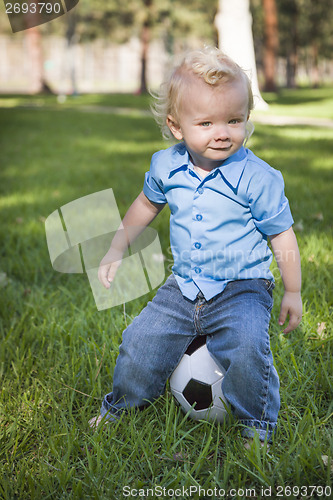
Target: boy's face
[[212, 121]]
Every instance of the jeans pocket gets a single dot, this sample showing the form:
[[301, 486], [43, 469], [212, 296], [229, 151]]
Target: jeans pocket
[[269, 285]]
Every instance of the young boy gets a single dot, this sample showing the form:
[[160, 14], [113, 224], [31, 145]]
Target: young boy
[[225, 202]]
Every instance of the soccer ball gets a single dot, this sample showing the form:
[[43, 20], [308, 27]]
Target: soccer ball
[[196, 383]]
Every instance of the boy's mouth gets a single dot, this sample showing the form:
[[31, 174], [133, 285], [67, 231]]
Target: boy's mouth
[[226, 148]]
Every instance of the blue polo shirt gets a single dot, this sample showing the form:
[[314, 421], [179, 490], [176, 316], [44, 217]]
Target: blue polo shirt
[[218, 224]]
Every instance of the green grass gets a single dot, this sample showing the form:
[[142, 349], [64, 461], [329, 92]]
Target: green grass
[[311, 103], [58, 352], [65, 102], [302, 102]]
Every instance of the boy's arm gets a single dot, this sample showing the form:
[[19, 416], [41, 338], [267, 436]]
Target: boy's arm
[[140, 214], [287, 256]]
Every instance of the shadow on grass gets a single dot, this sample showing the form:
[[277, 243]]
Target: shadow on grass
[[292, 97], [53, 157], [72, 101], [50, 158], [303, 155]]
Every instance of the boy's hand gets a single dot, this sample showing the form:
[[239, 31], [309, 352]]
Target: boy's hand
[[109, 267], [291, 304]]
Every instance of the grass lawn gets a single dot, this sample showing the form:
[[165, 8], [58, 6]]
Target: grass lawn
[[58, 352], [304, 102], [311, 103]]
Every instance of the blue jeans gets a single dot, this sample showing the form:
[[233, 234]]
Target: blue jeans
[[236, 325]]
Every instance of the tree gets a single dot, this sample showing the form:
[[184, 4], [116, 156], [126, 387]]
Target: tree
[[305, 34], [35, 56], [315, 34], [234, 23], [145, 39], [168, 20], [271, 43], [289, 38]]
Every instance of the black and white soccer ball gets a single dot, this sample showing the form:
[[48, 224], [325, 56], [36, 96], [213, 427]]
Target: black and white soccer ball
[[196, 384]]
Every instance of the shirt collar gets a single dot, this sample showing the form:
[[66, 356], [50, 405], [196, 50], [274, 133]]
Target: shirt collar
[[180, 159], [231, 169]]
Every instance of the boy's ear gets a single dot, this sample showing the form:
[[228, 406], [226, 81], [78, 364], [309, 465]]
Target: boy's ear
[[174, 127]]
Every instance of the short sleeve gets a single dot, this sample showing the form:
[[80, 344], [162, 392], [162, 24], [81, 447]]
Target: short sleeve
[[153, 186], [269, 205]]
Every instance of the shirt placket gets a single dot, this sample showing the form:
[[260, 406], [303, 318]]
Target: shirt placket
[[198, 249]]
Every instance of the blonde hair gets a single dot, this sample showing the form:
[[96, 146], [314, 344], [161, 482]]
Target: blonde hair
[[210, 64]]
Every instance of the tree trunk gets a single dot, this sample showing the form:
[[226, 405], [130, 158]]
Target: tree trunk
[[292, 55], [145, 39], [291, 70], [291, 41], [315, 65], [72, 38], [35, 57], [234, 25], [271, 42], [33, 39]]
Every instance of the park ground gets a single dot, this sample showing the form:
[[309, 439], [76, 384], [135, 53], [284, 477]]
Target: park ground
[[58, 351]]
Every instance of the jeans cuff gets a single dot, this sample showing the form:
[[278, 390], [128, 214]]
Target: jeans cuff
[[109, 411], [265, 430]]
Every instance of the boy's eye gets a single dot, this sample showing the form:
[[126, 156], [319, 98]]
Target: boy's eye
[[205, 124], [234, 121]]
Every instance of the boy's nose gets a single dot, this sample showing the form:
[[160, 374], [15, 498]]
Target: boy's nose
[[221, 133]]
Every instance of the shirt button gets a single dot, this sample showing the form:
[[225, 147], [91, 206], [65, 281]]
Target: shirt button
[[200, 190], [197, 270], [199, 217], [197, 245]]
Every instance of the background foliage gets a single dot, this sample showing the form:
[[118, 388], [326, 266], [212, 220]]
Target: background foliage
[[304, 28]]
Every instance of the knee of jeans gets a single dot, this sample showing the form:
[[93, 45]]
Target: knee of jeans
[[250, 356]]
